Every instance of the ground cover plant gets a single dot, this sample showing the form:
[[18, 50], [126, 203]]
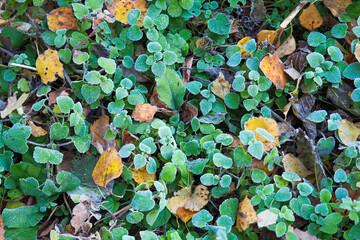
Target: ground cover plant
[[179, 119]]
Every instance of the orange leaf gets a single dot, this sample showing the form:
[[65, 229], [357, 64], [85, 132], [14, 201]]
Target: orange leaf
[[348, 132], [220, 86], [141, 175], [293, 164], [128, 138], [119, 9], [287, 48], [62, 18], [268, 35], [241, 44], [37, 131], [246, 215], [337, 7], [98, 130], [184, 214], [273, 68], [269, 125], [48, 66], [144, 112], [310, 18], [2, 231], [108, 167]]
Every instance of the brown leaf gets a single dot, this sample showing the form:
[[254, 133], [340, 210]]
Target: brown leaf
[[141, 175], [37, 131], [198, 199], [184, 214], [80, 214], [108, 167], [156, 101], [337, 7], [246, 215], [119, 9], [357, 52], [310, 18], [2, 231], [128, 138], [273, 68], [62, 91], [304, 235], [297, 60], [287, 47], [13, 103], [98, 130], [186, 72], [144, 112], [220, 86], [48, 66], [266, 218], [188, 112], [293, 164], [62, 18]]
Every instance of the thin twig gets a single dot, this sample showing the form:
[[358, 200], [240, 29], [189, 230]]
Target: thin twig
[[90, 35], [10, 119], [7, 52], [23, 66], [278, 117], [201, 79], [45, 145]]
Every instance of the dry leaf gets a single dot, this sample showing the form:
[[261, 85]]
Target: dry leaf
[[220, 86], [2, 231], [144, 112], [200, 42], [242, 44], [81, 214], [62, 18], [13, 103], [48, 66], [37, 131], [337, 7], [259, 164], [62, 91], [268, 35], [287, 48], [198, 199], [293, 164], [266, 218], [156, 101], [141, 175], [176, 202], [188, 112], [348, 132], [293, 73], [310, 18], [98, 130], [357, 52], [184, 214], [119, 9], [246, 215], [273, 68], [108, 167], [304, 235], [269, 125], [186, 72], [128, 138]]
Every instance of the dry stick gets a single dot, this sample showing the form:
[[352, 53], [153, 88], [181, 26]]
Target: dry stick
[[7, 52], [286, 22], [90, 35], [201, 79]]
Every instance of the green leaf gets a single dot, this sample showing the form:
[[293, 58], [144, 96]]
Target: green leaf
[[208, 179], [186, 4], [241, 158], [201, 218], [44, 155], [170, 57], [290, 176], [80, 10], [15, 138], [352, 71], [93, 77], [67, 181], [135, 33], [22, 217], [21, 233], [133, 16], [80, 57], [256, 149], [58, 131], [220, 160], [315, 59], [134, 217], [94, 4], [171, 92], [220, 25], [140, 63], [65, 103], [315, 39], [192, 148], [82, 144], [339, 30], [90, 93], [229, 208], [283, 195], [317, 116], [280, 229], [143, 201], [159, 69], [355, 230], [168, 173], [232, 100], [108, 64], [325, 196], [197, 166], [258, 175], [148, 235], [335, 53], [304, 189]]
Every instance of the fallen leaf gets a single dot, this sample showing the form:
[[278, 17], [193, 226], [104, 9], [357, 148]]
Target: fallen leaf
[[273, 68], [198, 199], [188, 112], [268, 35], [348, 132], [62, 91], [37, 131], [108, 167], [98, 130], [287, 48], [293, 73], [266, 218], [128, 138], [80, 214], [48, 66], [184, 214], [220, 86], [200, 42], [119, 9], [186, 72], [2, 231], [357, 52], [297, 60], [242, 44], [141, 175], [269, 125], [310, 18], [246, 215], [293, 164], [144, 112], [156, 101], [259, 164], [304, 235], [178, 201], [337, 7], [62, 18], [13, 103]]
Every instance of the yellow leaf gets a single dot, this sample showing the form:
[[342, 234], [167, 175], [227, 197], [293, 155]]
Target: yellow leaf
[[13, 103], [48, 66], [184, 214], [273, 68], [144, 112], [337, 7], [246, 215], [348, 132], [293, 164], [141, 175], [269, 125], [108, 167], [241, 44], [310, 18], [268, 35], [287, 48], [37, 131], [119, 9], [198, 199], [62, 18], [220, 86], [176, 202]]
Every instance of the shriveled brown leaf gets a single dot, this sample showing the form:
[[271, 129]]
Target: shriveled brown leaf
[[156, 101], [144, 112], [186, 72], [128, 138], [337, 7], [304, 235], [80, 214], [36, 131], [273, 68], [293, 164], [62, 91], [188, 112], [98, 130]]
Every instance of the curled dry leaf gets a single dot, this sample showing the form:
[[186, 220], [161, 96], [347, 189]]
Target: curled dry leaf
[[287, 48], [273, 68], [269, 125], [98, 130], [198, 199], [144, 112], [293, 164], [37, 131], [186, 72], [2, 231], [48, 66], [348, 132], [62, 18], [13, 103], [242, 44], [268, 35], [141, 175], [108, 167], [246, 215], [220, 86], [266, 218], [80, 214], [156, 101], [337, 7], [188, 112], [310, 18]]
